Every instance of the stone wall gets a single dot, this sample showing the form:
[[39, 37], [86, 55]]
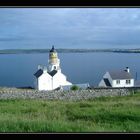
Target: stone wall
[[13, 93]]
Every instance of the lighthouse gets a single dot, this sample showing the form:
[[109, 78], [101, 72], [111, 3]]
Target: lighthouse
[[54, 62], [50, 77]]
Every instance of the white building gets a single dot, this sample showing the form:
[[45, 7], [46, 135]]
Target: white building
[[122, 78], [50, 78]]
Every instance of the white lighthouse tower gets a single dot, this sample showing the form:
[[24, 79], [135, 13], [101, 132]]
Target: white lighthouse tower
[[51, 77], [54, 62]]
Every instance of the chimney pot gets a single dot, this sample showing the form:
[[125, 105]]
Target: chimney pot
[[127, 69]]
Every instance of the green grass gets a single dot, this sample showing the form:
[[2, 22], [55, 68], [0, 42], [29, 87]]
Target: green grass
[[105, 114]]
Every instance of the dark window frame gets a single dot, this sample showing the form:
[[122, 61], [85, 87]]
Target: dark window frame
[[128, 81], [117, 82]]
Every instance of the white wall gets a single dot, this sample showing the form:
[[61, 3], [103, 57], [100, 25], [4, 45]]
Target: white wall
[[102, 83], [123, 83], [59, 79], [51, 66], [45, 82]]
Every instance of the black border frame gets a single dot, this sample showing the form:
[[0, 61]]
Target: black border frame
[[69, 3], [75, 4]]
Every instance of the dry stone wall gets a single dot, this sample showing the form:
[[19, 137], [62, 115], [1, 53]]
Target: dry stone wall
[[13, 93]]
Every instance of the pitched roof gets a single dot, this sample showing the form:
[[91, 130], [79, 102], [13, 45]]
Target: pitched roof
[[53, 49], [107, 83], [137, 83], [52, 73], [120, 74], [38, 73]]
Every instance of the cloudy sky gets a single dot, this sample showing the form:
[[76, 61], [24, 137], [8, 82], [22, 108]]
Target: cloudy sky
[[69, 28]]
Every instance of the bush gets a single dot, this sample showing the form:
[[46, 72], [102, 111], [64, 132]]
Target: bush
[[74, 87]]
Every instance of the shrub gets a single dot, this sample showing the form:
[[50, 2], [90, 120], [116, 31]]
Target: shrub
[[74, 87]]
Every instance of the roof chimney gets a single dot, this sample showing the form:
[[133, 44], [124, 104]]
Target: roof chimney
[[127, 69], [45, 70], [40, 67]]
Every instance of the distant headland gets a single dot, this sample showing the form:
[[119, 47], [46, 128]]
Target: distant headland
[[30, 51]]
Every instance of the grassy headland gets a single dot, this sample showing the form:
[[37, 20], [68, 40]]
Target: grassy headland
[[104, 114]]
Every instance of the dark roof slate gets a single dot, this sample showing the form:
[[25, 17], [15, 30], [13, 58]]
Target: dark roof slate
[[120, 74], [53, 49], [52, 73], [107, 82], [38, 73]]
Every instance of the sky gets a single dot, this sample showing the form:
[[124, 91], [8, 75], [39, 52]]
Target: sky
[[27, 28]]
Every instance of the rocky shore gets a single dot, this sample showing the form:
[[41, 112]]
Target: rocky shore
[[89, 94]]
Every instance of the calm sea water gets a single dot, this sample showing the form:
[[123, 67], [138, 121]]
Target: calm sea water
[[16, 70]]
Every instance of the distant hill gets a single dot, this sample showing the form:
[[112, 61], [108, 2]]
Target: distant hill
[[28, 51]]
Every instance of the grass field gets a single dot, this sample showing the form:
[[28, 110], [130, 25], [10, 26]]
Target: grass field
[[105, 114]]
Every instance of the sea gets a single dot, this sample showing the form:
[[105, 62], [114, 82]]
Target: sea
[[17, 70]]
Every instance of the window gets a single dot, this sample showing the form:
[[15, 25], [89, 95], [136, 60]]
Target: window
[[128, 81], [117, 81]]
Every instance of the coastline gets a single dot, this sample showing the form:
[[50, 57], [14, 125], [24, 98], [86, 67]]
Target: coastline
[[32, 51]]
